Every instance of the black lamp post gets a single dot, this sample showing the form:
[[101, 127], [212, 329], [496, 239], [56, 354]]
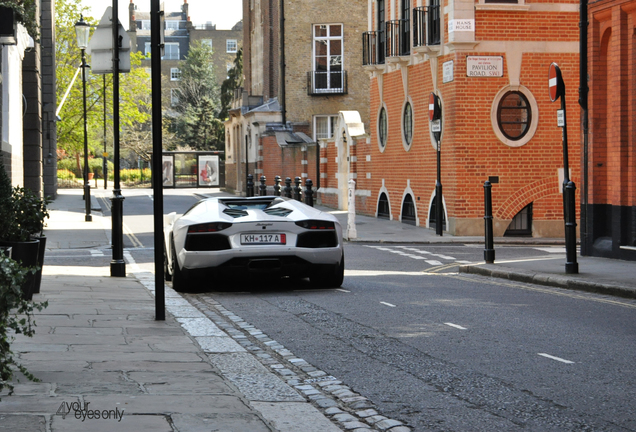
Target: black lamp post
[[82, 30]]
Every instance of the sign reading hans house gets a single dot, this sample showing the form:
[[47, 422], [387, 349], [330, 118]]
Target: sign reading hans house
[[484, 66]]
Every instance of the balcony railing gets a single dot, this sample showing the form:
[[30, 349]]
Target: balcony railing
[[398, 42], [326, 82], [426, 26], [371, 52]]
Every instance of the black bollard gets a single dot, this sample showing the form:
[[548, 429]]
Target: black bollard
[[297, 188], [250, 186], [277, 185], [288, 188], [571, 266], [262, 189], [489, 251], [309, 193]]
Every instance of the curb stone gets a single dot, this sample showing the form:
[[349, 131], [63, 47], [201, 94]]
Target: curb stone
[[344, 407], [548, 280]]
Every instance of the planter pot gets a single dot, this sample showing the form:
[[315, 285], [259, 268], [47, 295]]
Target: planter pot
[[38, 275], [26, 253]]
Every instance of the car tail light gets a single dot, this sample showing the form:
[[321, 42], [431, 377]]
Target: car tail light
[[316, 225], [208, 227]]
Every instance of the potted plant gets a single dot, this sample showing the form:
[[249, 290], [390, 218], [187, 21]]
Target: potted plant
[[22, 214], [31, 210], [16, 317]]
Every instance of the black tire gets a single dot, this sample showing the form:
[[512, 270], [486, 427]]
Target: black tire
[[179, 276], [330, 279], [167, 275]]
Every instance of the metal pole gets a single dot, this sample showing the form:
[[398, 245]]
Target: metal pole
[[489, 250], [439, 211], [105, 161], [569, 204], [117, 264], [160, 296], [583, 96], [87, 187]]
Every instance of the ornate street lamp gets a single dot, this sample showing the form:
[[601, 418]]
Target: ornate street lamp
[[82, 30]]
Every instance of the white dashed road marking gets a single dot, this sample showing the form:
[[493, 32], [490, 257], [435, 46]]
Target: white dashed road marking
[[456, 326], [556, 358], [388, 304]]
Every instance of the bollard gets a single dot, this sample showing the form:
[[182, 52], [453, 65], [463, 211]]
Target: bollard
[[288, 188], [297, 189], [571, 266], [489, 251], [250, 186], [309, 193], [277, 185], [262, 189], [352, 233]]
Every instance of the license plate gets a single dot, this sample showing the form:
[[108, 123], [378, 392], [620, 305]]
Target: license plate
[[256, 239]]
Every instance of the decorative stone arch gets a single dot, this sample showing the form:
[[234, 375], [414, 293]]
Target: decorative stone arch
[[349, 129], [385, 191], [524, 196], [409, 191]]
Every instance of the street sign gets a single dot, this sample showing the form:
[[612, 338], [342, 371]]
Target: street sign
[[436, 125], [555, 82], [434, 110], [560, 118], [100, 47], [105, 154]]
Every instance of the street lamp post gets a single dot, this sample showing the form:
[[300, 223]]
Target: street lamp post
[[82, 30]]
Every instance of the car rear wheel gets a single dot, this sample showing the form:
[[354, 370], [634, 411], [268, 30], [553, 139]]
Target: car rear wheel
[[332, 278], [179, 276]]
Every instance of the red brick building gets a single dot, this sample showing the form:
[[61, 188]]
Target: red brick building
[[300, 72], [488, 63], [611, 210]]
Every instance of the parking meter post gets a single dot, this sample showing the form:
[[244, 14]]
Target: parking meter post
[[309, 193], [250, 186], [571, 266], [297, 188], [262, 189], [489, 250], [288, 188], [277, 185], [439, 207]]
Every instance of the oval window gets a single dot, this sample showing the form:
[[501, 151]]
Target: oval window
[[514, 115], [382, 127], [407, 123]]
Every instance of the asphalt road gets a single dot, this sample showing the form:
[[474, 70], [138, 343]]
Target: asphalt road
[[438, 350]]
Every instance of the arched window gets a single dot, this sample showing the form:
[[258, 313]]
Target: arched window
[[384, 211], [407, 124], [521, 224], [432, 216], [408, 210]]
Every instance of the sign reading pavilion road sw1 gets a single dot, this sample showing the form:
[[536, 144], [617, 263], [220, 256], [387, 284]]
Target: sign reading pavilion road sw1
[[484, 66]]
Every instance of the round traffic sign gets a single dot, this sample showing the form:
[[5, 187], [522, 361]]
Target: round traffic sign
[[555, 82], [433, 107]]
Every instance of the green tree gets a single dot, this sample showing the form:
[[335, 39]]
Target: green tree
[[134, 89], [234, 80], [196, 122]]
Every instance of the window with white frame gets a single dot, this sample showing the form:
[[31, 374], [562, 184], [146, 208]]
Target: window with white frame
[[207, 42], [143, 24], [147, 49], [328, 61], [174, 96], [324, 126], [231, 45], [175, 74], [171, 51], [172, 25]]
